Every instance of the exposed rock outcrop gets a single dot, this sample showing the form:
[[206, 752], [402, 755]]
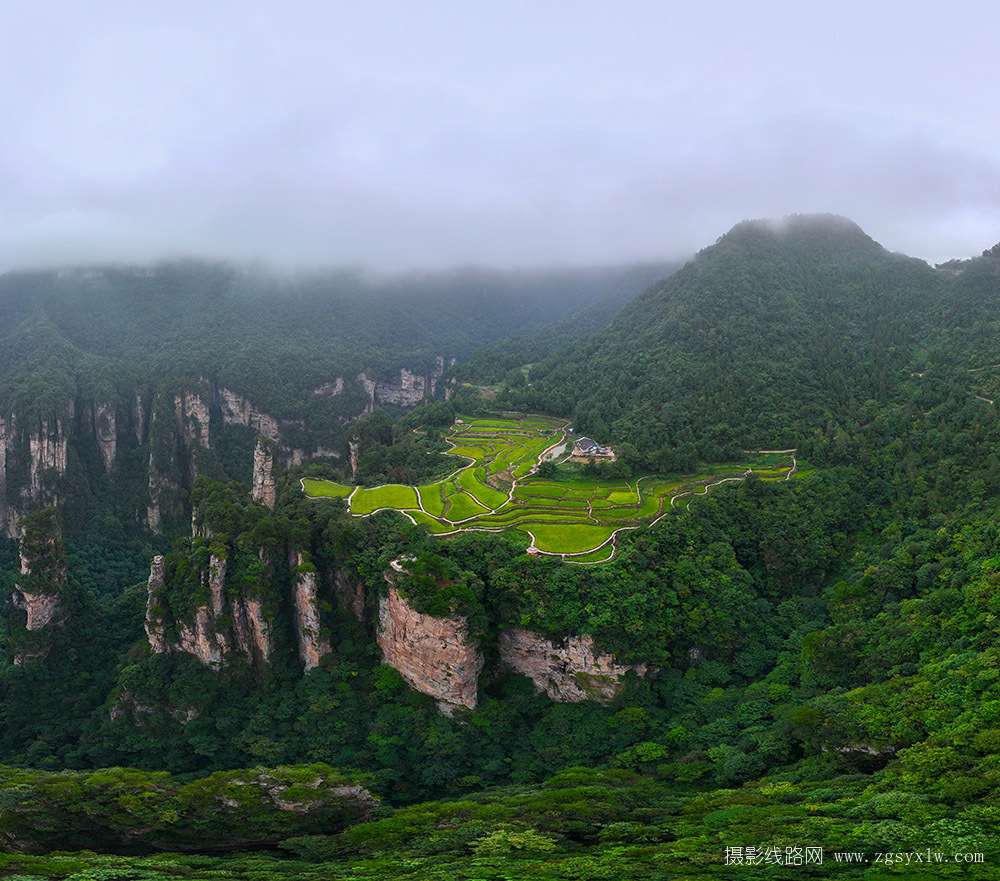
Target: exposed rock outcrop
[[179, 433], [7, 514], [199, 636], [42, 585], [153, 625], [331, 389], [570, 672], [410, 389], [369, 387], [253, 630], [41, 602], [205, 632], [237, 410], [106, 431], [262, 482], [193, 426], [139, 417], [433, 655], [47, 445], [313, 645]]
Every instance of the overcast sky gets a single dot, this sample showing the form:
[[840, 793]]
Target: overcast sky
[[424, 134]]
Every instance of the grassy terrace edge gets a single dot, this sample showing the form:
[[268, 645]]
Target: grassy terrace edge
[[498, 488]]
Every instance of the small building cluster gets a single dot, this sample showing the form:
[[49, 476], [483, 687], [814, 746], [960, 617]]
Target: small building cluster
[[586, 447]]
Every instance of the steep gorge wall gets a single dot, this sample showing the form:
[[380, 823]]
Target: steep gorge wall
[[410, 389], [433, 655], [313, 645], [227, 624], [263, 486], [568, 672], [179, 430], [172, 427], [41, 590]]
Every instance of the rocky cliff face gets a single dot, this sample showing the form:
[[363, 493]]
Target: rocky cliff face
[[409, 390], [139, 418], [200, 636], [237, 410], [179, 433], [47, 445], [43, 608], [313, 645], [41, 587], [569, 672], [433, 655], [6, 512], [263, 488], [173, 429], [153, 625], [253, 630], [207, 632], [106, 431], [331, 389], [193, 426]]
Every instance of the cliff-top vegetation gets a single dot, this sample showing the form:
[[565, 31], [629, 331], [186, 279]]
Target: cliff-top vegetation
[[519, 476]]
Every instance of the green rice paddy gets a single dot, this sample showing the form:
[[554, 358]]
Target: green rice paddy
[[325, 489], [493, 488]]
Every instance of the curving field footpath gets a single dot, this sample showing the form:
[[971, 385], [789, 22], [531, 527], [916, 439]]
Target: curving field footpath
[[498, 488]]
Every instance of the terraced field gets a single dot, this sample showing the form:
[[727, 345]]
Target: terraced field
[[496, 488]]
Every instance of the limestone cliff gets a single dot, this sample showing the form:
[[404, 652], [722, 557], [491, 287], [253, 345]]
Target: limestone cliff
[[569, 672], [433, 655], [222, 626], [139, 417], [193, 426], [331, 389], [262, 481], [179, 436], [313, 645], [237, 410], [7, 513], [153, 625], [253, 630], [41, 588], [199, 635], [106, 431], [47, 445], [409, 390]]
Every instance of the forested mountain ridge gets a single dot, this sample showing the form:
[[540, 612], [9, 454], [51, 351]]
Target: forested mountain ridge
[[492, 364], [119, 385], [761, 338], [809, 661]]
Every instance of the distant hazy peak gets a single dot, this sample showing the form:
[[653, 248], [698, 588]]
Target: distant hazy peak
[[799, 230]]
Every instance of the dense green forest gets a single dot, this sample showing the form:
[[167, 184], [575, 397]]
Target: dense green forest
[[268, 336], [813, 661]]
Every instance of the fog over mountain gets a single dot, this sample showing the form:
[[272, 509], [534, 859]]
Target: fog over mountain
[[396, 136]]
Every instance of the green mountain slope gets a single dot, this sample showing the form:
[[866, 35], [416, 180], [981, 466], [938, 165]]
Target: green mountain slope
[[768, 334], [269, 337], [813, 660]]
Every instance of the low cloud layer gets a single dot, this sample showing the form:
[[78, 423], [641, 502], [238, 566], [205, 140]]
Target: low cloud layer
[[399, 135]]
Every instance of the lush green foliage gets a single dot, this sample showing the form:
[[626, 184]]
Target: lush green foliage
[[507, 485], [821, 651]]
